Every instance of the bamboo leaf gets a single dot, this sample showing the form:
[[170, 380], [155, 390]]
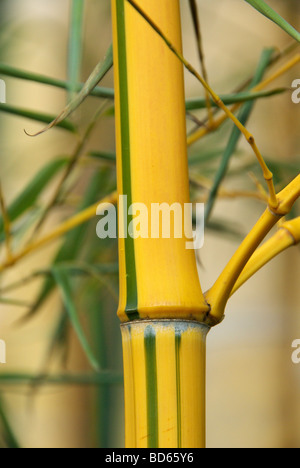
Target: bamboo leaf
[[103, 155], [96, 76], [271, 14], [37, 116], [7, 70], [75, 45], [200, 103], [73, 241], [32, 191], [58, 343], [8, 434], [64, 285], [105, 377]]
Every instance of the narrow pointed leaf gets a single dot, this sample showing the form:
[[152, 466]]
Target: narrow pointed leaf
[[200, 103], [75, 45], [103, 155], [8, 434], [271, 14], [32, 191], [96, 76], [105, 377], [7, 70], [37, 116], [73, 241], [64, 285]]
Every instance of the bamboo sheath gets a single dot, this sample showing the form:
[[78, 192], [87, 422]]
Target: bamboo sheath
[[161, 302]]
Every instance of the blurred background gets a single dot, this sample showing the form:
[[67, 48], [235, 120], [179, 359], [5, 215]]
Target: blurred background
[[253, 388]]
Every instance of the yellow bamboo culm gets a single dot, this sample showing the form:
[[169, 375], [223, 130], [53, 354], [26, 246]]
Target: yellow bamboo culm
[[164, 366], [161, 301], [158, 276]]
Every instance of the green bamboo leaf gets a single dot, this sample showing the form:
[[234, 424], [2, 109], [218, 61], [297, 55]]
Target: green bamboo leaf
[[98, 73], [105, 377], [37, 116], [200, 103], [103, 155], [271, 14], [203, 157], [75, 46], [29, 195], [8, 434], [58, 342], [64, 286], [72, 245], [7, 70], [59, 338]]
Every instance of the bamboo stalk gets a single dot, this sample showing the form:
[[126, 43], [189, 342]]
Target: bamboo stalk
[[164, 375], [161, 301], [152, 164]]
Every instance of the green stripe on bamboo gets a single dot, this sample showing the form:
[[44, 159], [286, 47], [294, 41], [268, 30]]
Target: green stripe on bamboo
[[151, 378], [132, 299]]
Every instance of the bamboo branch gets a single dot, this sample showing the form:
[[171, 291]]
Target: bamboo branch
[[287, 236], [217, 297]]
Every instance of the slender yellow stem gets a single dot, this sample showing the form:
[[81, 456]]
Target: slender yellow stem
[[218, 295], [220, 292], [197, 135], [59, 231], [208, 128], [278, 73], [218, 101], [287, 236], [287, 197]]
